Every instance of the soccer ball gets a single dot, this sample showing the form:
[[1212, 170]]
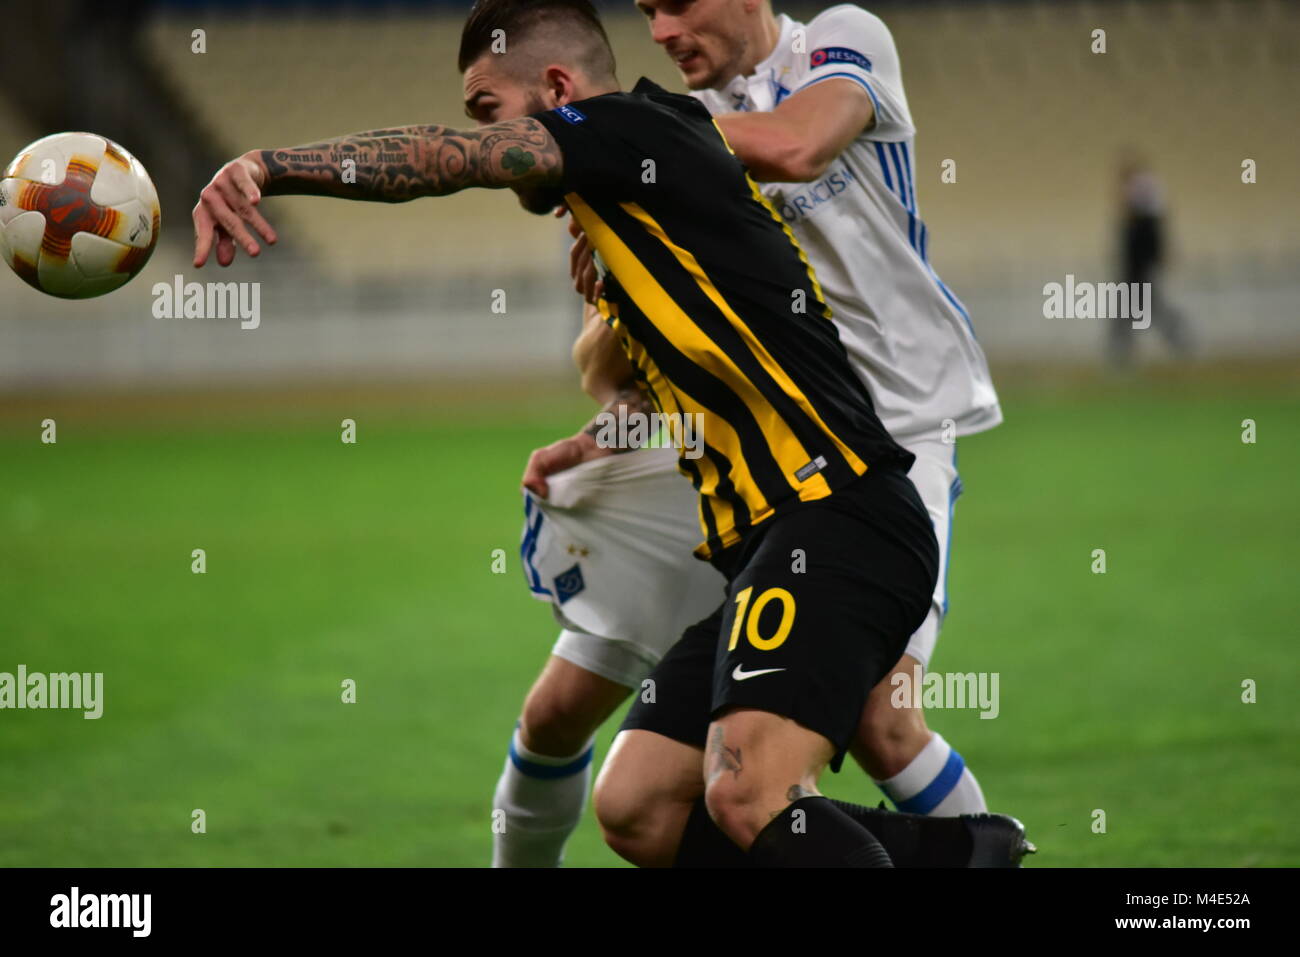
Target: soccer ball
[[79, 215]]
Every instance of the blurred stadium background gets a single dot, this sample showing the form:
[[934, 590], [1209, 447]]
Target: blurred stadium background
[[326, 561]]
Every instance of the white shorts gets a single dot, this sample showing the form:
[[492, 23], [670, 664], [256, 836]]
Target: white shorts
[[934, 473], [610, 550], [621, 662]]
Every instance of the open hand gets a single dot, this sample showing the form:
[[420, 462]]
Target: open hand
[[227, 207]]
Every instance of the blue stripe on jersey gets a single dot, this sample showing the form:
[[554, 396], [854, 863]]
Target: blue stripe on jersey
[[951, 298], [921, 247], [898, 174], [907, 169], [904, 194], [901, 165], [884, 166], [936, 790], [549, 772]]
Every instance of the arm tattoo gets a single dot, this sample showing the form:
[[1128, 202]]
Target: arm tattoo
[[396, 165], [633, 399], [722, 758]]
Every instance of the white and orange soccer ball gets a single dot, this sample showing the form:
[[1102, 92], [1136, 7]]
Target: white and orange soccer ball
[[79, 215]]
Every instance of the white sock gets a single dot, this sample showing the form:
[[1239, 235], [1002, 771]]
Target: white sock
[[543, 798], [937, 782]]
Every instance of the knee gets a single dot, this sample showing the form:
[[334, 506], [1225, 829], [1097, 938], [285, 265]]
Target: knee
[[735, 809], [620, 816], [554, 726], [635, 826]]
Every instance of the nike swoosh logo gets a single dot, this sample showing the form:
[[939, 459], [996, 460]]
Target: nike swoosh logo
[[740, 674]]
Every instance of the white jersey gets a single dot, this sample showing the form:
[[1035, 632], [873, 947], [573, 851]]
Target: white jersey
[[908, 337]]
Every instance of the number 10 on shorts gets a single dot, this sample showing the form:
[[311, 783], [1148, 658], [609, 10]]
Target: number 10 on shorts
[[754, 612]]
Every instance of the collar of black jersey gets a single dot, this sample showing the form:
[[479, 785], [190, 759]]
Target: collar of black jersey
[[648, 87]]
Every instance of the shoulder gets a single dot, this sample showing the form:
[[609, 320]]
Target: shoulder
[[848, 38], [646, 102], [847, 15], [847, 22], [649, 92]]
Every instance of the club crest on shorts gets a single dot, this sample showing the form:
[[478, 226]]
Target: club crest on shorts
[[569, 583]]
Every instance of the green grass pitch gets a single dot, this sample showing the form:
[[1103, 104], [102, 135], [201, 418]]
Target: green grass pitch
[[1119, 692]]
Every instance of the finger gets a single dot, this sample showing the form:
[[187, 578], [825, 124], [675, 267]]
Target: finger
[[243, 180], [204, 228], [582, 267], [256, 220], [225, 248], [589, 278], [234, 212], [587, 282], [252, 195], [575, 262], [535, 482], [534, 479], [234, 229]]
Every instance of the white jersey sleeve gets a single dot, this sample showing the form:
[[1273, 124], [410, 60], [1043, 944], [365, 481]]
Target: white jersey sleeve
[[908, 336], [847, 41]]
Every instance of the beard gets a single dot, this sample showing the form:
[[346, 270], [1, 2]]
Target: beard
[[539, 200]]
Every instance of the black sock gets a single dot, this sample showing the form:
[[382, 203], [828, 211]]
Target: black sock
[[914, 840], [705, 845], [813, 832]]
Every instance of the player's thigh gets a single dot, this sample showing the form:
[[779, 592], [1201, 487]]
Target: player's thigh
[[806, 639], [761, 761], [571, 699], [644, 769], [654, 771]]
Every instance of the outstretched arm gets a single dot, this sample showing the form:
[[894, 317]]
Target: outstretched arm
[[389, 166]]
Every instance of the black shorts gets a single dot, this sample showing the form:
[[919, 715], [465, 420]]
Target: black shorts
[[821, 601]]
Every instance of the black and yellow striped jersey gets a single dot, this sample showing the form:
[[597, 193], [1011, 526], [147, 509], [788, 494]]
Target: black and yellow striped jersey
[[717, 308]]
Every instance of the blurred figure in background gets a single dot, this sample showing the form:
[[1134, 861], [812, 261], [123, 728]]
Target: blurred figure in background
[[1142, 254]]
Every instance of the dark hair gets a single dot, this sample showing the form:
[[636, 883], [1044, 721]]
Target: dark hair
[[574, 24]]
